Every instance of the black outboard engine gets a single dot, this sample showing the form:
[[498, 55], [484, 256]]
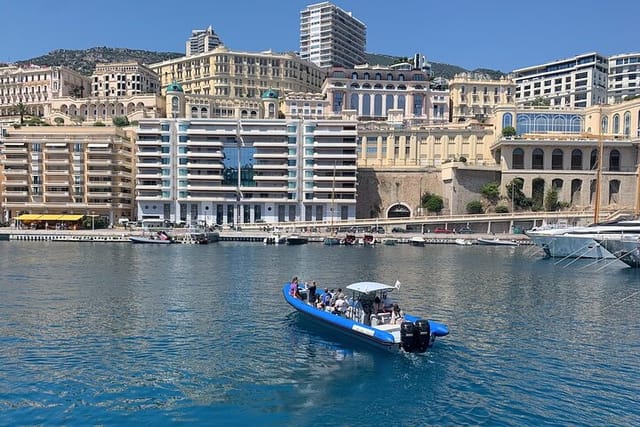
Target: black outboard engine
[[423, 335], [408, 336]]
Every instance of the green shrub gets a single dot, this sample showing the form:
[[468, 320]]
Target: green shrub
[[475, 207]]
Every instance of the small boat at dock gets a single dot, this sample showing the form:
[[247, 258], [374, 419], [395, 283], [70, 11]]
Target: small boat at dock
[[294, 239], [417, 241], [496, 242]]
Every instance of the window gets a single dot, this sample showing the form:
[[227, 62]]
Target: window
[[627, 124], [518, 159], [537, 159], [616, 124], [556, 159], [614, 160]]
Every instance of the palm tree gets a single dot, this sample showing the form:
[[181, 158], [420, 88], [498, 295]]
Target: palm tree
[[21, 109]]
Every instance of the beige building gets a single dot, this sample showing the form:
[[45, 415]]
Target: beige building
[[234, 76], [474, 96], [123, 80], [560, 149], [398, 94], [66, 170], [35, 87], [90, 110]]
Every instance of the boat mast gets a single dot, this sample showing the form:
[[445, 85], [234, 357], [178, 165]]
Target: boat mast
[[596, 208], [333, 190], [636, 211]]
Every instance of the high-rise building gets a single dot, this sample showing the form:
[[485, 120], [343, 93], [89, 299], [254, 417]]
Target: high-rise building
[[624, 77], [579, 81], [330, 36], [202, 41]]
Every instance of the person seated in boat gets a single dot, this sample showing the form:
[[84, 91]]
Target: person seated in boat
[[326, 297], [397, 315], [293, 288], [340, 307]]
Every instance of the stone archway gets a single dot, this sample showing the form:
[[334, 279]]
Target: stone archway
[[398, 210]]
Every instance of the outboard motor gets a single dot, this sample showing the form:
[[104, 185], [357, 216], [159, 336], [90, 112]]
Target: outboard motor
[[408, 336], [423, 335]]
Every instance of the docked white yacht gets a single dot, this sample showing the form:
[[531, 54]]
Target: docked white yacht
[[580, 242]]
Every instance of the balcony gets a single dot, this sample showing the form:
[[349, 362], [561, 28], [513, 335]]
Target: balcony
[[281, 155]]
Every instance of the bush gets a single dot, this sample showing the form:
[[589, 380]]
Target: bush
[[491, 192], [509, 131], [475, 207], [99, 123], [121, 121], [58, 121], [434, 204], [502, 209]]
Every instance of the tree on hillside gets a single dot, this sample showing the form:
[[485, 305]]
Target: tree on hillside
[[491, 192]]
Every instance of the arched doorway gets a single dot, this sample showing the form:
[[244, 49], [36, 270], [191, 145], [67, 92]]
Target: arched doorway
[[398, 211]]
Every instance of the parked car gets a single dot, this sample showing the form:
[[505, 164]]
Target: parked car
[[398, 230], [466, 230], [442, 230]]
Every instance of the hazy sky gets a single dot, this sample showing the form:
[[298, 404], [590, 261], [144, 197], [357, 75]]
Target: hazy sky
[[496, 34]]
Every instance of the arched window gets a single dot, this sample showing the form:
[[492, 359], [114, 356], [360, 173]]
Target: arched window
[[614, 191], [389, 103], [354, 76], [378, 76], [614, 160], [366, 76], [576, 191], [366, 105], [354, 104], [377, 105], [507, 120], [557, 159], [417, 105], [517, 159], [537, 159], [593, 162], [627, 124], [556, 184], [605, 125], [401, 77], [194, 112], [389, 76], [576, 160], [616, 124]]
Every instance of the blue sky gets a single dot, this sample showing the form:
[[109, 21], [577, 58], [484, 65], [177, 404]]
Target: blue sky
[[496, 34]]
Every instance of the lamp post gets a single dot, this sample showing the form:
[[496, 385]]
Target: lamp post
[[92, 221]]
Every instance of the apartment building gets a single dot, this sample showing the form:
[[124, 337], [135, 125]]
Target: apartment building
[[397, 94], [331, 36], [202, 41], [576, 82], [123, 80], [235, 171], [66, 170], [624, 77], [234, 77], [474, 96], [36, 86]]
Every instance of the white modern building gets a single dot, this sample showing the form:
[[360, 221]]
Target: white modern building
[[624, 77], [289, 169], [576, 82], [331, 36], [202, 41]]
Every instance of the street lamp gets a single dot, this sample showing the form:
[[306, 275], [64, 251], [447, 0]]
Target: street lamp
[[92, 221]]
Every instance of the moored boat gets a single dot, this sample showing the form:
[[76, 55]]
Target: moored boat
[[626, 248], [296, 240], [348, 240], [464, 242], [160, 238], [354, 316], [417, 241], [331, 241], [496, 242], [390, 241]]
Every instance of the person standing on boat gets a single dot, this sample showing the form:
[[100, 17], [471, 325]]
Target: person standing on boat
[[397, 315], [311, 295]]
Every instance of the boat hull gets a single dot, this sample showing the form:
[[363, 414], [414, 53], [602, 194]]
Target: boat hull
[[626, 250], [496, 242], [147, 240], [567, 246]]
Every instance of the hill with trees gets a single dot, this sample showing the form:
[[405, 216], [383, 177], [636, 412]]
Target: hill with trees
[[85, 60]]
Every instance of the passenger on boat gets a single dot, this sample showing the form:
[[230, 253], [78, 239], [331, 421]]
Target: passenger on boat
[[293, 289], [311, 292], [397, 315], [341, 306], [326, 297], [377, 306]]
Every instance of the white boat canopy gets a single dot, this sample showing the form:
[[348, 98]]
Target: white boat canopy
[[369, 287]]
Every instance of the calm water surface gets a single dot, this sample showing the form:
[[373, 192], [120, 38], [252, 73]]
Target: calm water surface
[[119, 334]]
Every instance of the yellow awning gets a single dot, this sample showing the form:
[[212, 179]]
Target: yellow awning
[[49, 217], [28, 217]]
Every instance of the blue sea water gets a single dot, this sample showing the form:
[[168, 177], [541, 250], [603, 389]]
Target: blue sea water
[[119, 334]]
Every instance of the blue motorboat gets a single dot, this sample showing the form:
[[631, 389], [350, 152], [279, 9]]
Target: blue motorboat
[[366, 312]]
